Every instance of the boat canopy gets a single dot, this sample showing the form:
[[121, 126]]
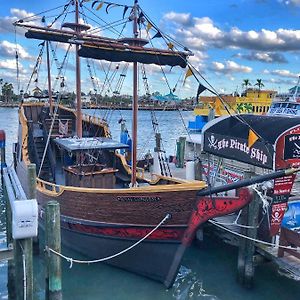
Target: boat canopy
[[89, 143], [278, 139], [121, 52], [111, 49]]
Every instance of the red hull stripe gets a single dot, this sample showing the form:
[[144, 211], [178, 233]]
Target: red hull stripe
[[168, 234]]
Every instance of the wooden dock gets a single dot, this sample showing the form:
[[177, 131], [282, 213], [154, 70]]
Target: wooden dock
[[289, 265]]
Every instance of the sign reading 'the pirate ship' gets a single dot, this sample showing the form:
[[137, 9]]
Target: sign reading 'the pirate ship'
[[236, 148]]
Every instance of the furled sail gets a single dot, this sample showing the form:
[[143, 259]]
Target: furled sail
[[121, 52], [110, 49]]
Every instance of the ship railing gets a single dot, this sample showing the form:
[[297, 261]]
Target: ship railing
[[91, 119], [50, 187], [24, 126], [140, 172], [97, 121]]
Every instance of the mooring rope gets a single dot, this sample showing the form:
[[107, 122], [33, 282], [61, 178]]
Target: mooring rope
[[263, 197], [72, 260], [216, 223]]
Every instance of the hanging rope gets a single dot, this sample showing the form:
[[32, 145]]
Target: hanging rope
[[71, 260], [36, 66], [54, 116], [17, 62], [251, 239]]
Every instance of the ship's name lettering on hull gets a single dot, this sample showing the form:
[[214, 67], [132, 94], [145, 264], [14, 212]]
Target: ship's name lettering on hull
[[138, 199]]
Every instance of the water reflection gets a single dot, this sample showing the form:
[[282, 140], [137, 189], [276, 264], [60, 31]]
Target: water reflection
[[188, 286]]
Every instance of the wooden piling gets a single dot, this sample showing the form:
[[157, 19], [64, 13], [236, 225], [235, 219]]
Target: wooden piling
[[53, 241], [180, 152], [198, 169], [31, 181], [249, 217], [32, 195]]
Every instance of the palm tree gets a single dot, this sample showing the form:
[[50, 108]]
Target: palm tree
[[259, 84], [246, 83], [7, 92]]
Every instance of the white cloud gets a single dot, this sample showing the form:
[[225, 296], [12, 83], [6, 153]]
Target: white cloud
[[282, 73], [9, 64], [20, 13], [230, 67], [181, 18], [267, 57], [202, 33], [8, 49], [6, 23]]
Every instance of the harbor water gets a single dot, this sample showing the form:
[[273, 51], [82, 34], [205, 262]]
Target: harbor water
[[208, 269]]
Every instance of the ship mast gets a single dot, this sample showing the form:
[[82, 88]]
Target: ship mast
[[49, 78], [78, 78], [134, 103]]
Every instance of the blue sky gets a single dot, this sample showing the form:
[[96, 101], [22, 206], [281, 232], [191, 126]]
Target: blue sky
[[231, 41]]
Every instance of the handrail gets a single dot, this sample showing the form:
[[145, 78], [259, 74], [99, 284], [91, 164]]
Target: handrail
[[55, 190], [24, 147], [140, 172]]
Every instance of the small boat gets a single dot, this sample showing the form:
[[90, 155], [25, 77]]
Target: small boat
[[108, 206], [287, 104]]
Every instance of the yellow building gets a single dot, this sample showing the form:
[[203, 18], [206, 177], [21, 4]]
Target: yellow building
[[252, 101]]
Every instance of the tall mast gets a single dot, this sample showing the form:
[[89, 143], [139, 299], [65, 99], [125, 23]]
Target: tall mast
[[134, 103], [49, 78], [78, 79]]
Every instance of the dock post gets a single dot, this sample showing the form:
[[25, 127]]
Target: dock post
[[32, 195], [180, 152], [249, 217], [198, 169], [53, 241]]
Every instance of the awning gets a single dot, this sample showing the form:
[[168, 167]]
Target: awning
[[90, 143], [228, 137]]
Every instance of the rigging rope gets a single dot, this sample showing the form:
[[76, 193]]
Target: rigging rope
[[54, 116]]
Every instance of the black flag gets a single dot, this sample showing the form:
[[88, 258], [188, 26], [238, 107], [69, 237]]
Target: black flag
[[157, 35], [125, 10], [201, 88]]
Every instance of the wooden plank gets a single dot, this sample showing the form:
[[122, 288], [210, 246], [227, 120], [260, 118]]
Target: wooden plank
[[288, 263], [6, 254]]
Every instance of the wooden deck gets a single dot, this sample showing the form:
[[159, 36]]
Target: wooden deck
[[288, 264]]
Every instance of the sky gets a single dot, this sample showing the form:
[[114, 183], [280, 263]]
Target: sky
[[231, 40]]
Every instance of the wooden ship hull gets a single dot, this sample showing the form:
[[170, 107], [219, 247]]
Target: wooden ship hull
[[101, 218]]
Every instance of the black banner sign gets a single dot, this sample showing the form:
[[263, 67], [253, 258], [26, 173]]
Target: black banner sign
[[236, 148]]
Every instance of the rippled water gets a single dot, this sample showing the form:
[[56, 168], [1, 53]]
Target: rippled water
[[208, 271]]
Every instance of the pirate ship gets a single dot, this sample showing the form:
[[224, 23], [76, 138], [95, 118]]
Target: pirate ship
[[108, 206]]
